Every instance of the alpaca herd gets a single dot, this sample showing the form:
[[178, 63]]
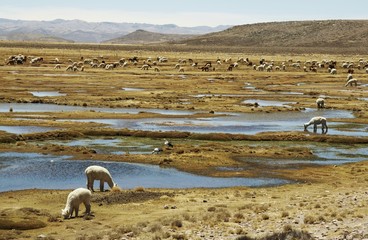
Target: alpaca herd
[[83, 195]]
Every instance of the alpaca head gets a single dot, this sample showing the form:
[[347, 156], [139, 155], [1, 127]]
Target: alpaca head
[[305, 126], [65, 213]]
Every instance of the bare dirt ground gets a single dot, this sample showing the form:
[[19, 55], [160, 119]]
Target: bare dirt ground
[[327, 202]]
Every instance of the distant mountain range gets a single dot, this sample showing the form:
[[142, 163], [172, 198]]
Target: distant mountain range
[[324, 35], [60, 30]]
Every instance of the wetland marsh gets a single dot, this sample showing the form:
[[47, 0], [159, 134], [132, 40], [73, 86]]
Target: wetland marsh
[[241, 163]]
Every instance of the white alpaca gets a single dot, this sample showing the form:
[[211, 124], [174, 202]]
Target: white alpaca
[[350, 76], [316, 121], [69, 68], [333, 71], [352, 82], [98, 173], [145, 66], [75, 198], [57, 66], [320, 103]]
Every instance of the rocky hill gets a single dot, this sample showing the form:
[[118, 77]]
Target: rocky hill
[[90, 32], [145, 37], [326, 33]]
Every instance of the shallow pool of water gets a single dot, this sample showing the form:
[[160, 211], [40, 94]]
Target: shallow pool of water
[[25, 129], [326, 154], [268, 103], [47, 94], [129, 89], [38, 107], [239, 123], [245, 123], [31, 170]]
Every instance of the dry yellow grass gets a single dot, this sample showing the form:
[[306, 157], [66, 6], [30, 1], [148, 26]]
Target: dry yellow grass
[[327, 196]]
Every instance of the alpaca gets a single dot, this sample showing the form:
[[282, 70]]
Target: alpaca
[[316, 121], [352, 82], [157, 150], [350, 76], [57, 66], [145, 66], [168, 144], [98, 173], [75, 198], [69, 68], [320, 103], [333, 71]]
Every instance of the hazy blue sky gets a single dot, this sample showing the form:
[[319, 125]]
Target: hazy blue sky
[[184, 12]]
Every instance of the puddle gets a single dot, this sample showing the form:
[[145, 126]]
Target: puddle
[[242, 123], [326, 154], [268, 103], [31, 170], [25, 129], [246, 123], [48, 94], [133, 89], [38, 107]]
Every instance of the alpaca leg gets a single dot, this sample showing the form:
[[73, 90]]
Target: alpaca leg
[[315, 128], [324, 128], [76, 211], [102, 185], [91, 182], [88, 208], [71, 212]]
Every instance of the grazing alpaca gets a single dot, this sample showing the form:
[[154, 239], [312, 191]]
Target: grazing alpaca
[[352, 82], [157, 150], [75, 198], [145, 67], [69, 68], [98, 173], [316, 121], [168, 144], [320, 103]]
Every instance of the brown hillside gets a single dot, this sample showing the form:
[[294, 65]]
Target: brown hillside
[[142, 37], [326, 33]]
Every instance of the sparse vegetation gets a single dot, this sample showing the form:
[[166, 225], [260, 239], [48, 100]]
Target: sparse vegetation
[[257, 213]]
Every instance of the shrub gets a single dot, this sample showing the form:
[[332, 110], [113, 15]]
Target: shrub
[[211, 209], [309, 219], [155, 227], [284, 214], [177, 223]]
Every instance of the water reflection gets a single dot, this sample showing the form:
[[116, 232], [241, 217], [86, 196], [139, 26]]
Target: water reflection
[[31, 170]]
